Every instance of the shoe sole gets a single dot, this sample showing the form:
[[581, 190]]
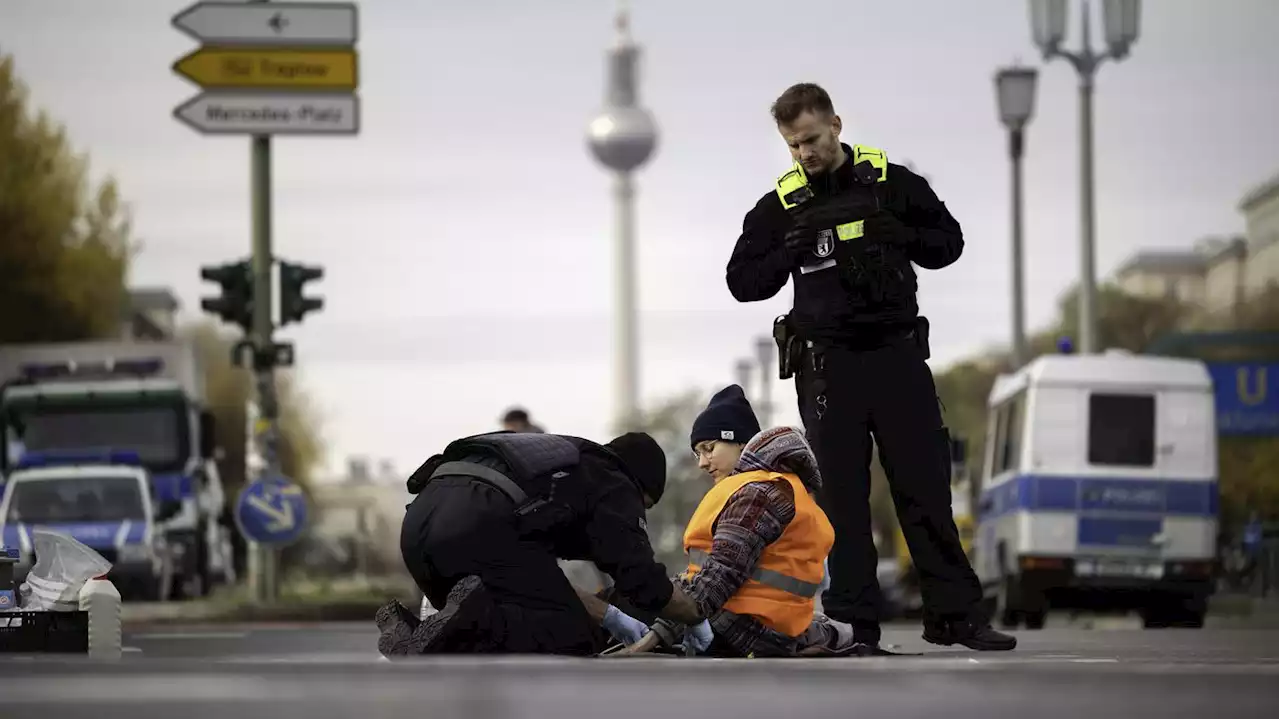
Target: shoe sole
[[433, 634], [396, 625]]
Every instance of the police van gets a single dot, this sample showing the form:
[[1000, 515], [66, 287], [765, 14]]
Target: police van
[[104, 501], [1099, 489]]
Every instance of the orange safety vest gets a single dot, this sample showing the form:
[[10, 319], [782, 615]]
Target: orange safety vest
[[781, 590]]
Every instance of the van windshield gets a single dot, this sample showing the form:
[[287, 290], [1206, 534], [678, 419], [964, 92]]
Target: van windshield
[[78, 499]]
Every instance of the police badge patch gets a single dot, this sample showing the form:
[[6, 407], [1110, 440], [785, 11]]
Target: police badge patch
[[825, 243]]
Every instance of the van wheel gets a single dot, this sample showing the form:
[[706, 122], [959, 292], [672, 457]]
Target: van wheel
[[1174, 612]]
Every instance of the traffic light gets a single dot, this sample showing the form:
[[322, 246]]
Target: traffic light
[[293, 279], [235, 306]]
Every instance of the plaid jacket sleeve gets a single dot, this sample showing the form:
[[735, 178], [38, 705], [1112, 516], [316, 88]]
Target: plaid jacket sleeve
[[752, 519]]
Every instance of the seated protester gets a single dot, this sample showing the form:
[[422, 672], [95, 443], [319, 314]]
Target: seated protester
[[758, 542]]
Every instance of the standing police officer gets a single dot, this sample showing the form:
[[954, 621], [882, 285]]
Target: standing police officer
[[847, 225], [494, 512]]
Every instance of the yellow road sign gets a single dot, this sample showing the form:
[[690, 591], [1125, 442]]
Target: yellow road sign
[[269, 68]]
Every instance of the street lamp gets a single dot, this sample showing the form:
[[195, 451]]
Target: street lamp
[[1016, 100], [742, 371], [1048, 28]]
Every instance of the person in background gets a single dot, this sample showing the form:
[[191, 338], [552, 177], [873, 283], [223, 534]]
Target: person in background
[[517, 420]]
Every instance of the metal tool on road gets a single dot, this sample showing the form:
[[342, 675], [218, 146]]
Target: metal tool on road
[[647, 644]]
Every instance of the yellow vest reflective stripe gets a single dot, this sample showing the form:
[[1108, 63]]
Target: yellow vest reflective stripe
[[780, 592], [793, 187]]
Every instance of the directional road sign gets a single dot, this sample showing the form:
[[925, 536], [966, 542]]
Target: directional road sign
[[1246, 397], [271, 510], [260, 113], [263, 68], [270, 23]]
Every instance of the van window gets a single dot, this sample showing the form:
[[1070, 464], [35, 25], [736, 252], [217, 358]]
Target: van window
[[1007, 440], [1122, 430], [1011, 442]]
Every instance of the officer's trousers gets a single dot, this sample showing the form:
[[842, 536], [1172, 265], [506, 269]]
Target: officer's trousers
[[460, 526], [884, 390]]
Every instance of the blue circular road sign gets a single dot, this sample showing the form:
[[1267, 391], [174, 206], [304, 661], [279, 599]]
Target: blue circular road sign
[[271, 510]]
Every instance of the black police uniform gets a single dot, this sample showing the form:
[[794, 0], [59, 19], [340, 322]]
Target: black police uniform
[[503, 507], [860, 371]]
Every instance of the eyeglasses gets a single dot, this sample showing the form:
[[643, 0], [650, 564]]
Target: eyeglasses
[[704, 451]]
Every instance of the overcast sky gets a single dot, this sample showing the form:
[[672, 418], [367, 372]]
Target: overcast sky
[[466, 232]]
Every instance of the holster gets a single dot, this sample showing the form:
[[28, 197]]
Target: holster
[[922, 335], [790, 349]]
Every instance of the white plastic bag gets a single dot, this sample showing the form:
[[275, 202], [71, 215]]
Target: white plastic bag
[[62, 567]]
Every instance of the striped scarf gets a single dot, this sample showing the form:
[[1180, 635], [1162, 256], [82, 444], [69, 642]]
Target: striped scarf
[[783, 450]]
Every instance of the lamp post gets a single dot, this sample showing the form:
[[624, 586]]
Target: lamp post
[[622, 138], [765, 349], [1048, 28], [742, 371], [1015, 99]]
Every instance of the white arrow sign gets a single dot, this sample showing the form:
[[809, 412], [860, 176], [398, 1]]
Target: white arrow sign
[[274, 23], [282, 519], [271, 113]]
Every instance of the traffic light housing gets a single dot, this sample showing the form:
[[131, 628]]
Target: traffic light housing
[[293, 279], [235, 305]]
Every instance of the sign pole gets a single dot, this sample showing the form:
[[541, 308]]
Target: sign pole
[[268, 407], [269, 68]]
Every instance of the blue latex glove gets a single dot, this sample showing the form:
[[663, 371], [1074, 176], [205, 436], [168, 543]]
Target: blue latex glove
[[826, 577], [698, 637], [623, 627]]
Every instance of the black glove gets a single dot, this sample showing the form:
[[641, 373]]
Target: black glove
[[799, 240], [885, 228]]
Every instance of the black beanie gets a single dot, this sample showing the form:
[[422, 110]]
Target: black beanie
[[644, 460], [728, 417]]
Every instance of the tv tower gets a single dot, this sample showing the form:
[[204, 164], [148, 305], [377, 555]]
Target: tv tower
[[622, 138]]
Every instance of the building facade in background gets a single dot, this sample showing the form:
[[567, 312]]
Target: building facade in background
[[1217, 274]]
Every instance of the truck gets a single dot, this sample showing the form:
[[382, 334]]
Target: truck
[[100, 499], [144, 397], [1099, 490]]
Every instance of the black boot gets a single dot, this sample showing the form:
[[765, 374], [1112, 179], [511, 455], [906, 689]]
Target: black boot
[[976, 635], [445, 631]]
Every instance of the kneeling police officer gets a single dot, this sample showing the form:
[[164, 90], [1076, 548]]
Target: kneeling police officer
[[846, 226], [494, 512]]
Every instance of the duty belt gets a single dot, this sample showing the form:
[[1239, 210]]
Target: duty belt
[[488, 475], [768, 577]]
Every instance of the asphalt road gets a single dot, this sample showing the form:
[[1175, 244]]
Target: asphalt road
[[333, 670]]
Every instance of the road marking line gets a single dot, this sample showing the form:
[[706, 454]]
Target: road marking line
[[163, 636]]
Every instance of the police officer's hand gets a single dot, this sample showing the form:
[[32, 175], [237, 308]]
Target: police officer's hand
[[623, 627], [800, 239], [885, 228]]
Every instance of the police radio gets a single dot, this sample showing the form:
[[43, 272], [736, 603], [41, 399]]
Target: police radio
[[866, 173], [793, 187]]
